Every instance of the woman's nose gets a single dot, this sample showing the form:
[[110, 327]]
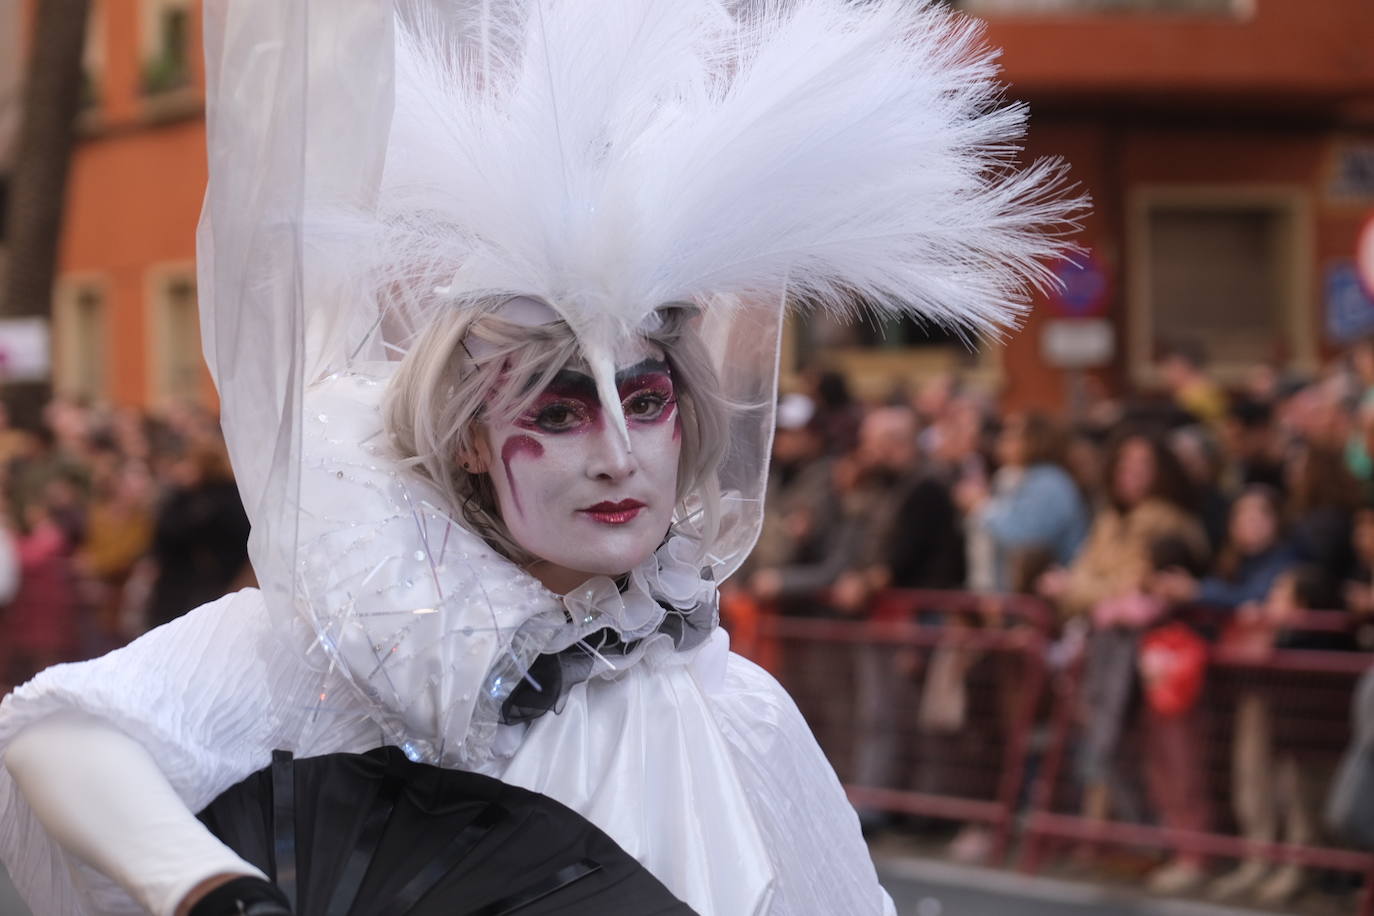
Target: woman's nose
[[610, 457]]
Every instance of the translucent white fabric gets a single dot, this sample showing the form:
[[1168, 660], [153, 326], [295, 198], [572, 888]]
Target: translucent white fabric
[[373, 166], [696, 762], [431, 627]]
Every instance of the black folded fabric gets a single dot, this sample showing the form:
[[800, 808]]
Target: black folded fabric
[[377, 835]]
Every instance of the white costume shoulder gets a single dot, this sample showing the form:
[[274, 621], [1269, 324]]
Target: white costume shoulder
[[210, 695], [692, 768]]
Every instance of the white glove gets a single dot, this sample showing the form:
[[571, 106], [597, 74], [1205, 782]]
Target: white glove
[[102, 796]]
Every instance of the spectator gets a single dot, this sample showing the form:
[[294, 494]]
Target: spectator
[[1183, 368], [200, 539], [1149, 500], [1172, 663], [119, 532], [1251, 444], [1322, 498], [1270, 792], [1148, 504], [1084, 459], [1196, 451], [838, 415], [1032, 505], [42, 624], [1254, 556], [801, 549]]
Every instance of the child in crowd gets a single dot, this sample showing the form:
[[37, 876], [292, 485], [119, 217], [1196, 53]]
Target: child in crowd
[[1268, 786], [42, 623], [1255, 555], [1171, 661]]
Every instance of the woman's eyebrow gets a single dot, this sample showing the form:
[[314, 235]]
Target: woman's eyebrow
[[570, 381], [649, 366], [578, 384]]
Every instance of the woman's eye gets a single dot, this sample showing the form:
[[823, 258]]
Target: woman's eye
[[646, 405], [557, 418]]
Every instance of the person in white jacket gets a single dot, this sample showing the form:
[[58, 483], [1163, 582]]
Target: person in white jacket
[[492, 294]]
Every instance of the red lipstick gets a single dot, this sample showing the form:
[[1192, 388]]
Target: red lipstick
[[609, 513]]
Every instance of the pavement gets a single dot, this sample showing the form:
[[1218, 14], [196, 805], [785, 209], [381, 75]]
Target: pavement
[[929, 887]]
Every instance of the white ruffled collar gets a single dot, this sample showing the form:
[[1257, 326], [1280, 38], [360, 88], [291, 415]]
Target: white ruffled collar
[[432, 627]]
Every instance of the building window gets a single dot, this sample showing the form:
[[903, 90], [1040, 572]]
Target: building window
[[80, 338], [166, 46], [177, 366], [1228, 273], [883, 356], [1019, 7], [93, 59]]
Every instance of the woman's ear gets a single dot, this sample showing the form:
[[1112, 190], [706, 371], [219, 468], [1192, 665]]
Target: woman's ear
[[477, 458]]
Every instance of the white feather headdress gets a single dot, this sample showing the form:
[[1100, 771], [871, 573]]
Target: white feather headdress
[[374, 162], [612, 156]]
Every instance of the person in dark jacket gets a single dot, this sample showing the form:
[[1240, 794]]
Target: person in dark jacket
[[1255, 555], [200, 538], [1322, 498]]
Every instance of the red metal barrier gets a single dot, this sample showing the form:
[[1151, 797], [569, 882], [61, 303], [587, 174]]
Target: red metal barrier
[[1304, 698], [897, 751], [959, 756]]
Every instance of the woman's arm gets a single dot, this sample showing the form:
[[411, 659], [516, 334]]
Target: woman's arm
[[1035, 513], [101, 795]]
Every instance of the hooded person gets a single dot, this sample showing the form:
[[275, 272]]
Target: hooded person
[[492, 294]]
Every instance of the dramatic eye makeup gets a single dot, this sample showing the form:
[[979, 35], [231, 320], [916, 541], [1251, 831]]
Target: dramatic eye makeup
[[647, 397], [570, 403]]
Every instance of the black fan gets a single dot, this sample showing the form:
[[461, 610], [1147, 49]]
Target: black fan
[[377, 835]]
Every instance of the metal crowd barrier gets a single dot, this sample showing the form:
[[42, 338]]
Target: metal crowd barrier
[[927, 702], [927, 711], [1302, 695]]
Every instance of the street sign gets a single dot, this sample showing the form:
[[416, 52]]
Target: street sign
[[1084, 288], [1364, 255], [24, 350], [1349, 305], [1077, 343]]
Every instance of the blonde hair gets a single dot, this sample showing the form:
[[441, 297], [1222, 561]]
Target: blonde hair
[[441, 393]]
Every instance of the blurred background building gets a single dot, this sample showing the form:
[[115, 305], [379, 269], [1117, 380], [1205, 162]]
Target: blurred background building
[[1228, 146]]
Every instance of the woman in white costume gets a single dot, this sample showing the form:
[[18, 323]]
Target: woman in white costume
[[492, 293]]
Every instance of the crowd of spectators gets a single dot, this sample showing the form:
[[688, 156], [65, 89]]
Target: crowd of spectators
[[1253, 502], [112, 521]]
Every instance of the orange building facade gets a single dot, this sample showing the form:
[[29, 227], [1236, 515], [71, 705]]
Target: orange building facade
[[1229, 151], [125, 328], [1228, 146]]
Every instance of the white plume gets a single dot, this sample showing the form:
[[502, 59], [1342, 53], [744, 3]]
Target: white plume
[[611, 156]]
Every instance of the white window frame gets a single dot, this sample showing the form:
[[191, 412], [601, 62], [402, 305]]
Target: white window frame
[[150, 42], [1296, 298], [163, 388], [71, 374], [873, 371]]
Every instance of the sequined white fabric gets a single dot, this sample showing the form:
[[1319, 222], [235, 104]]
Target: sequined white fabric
[[428, 624], [696, 762]]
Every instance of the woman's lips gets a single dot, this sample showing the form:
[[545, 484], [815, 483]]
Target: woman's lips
[[609, 513]]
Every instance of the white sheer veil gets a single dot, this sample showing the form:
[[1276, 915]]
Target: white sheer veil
[[372, 163]]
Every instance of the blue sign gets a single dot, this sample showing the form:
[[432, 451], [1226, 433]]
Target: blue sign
[[1083, 287], [1349, 306]]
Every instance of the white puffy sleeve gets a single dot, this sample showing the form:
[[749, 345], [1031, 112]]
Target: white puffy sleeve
[[209, 695]]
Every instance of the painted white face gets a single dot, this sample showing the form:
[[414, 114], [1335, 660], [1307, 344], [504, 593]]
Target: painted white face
[[569, 491]]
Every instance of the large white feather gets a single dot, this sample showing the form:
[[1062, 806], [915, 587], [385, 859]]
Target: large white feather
[[614, 155]]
